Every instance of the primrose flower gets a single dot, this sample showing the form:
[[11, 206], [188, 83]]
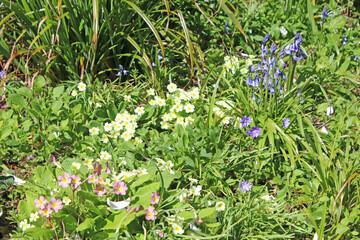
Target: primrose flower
[[105, 139], [46, 211], [82, 87], [139, 111], [151, 92], [65, 180], [97, 169], [73, 93], [254, 132], [142, 171], [75, 181], [172, 87], [34, 216], [25, 225], [150, 213], [268, 197], [66, 200], [76, 165], [244, 70], [286, 123], [94, 131], [92, 179], [120, 188], [246, 121], [245, 186], [107, 127], [100, 190], [40, 202], [189, 108], [127, 98], [105, 155], [177, 229], [220, 206], [196, 190], [56, 204], [155, 198]]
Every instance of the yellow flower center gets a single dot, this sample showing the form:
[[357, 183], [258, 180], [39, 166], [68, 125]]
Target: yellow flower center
[[41, 202], [150, 214], [119, 189], [54, 205]]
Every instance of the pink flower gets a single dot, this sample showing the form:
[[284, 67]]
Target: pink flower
[[101, 180], [120, 188], [97, 169], [100, 190], [75, 181], [46, 211], [108, 171], [40, 202], [92, 179], [150, 213], [52, 159], [56, 204], [155, 198], [65, 180]]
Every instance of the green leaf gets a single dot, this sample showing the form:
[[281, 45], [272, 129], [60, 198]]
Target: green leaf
[[87, 224], [123, 218], [40, 233], [58, 91], [26, 92], [17, 99], [143, 194], [207, 213], [39, 83]]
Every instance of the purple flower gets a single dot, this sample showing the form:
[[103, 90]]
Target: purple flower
[[266, 38], [108, 171], [286, 122], [254, 132], [97, 169], [52, 159], [153, 64], [356, 58], [246, 121], [159, 56], [325, 13], [272, 48], [345, 40], [2, 74], [253, 97], [245, 186], [122, 71], [227, 28]]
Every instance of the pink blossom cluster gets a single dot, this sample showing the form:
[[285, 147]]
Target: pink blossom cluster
[[47, 207], [150, 212], [67, 179]]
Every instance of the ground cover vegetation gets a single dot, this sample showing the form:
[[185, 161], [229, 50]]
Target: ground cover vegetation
[[180, 119]]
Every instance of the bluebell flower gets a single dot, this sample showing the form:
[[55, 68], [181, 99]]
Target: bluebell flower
[[286, 123], [122, 71], [159, 56], [356, 58], [2, 74], [325, 13], [227, 28], [245, 186], [345, 40], [253, 97], [153, 64], [273, 48], [266, 38], [263, 50]]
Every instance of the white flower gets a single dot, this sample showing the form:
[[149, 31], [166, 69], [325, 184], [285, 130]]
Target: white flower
[[142, 171], [25, 225], [82, 87], [98, 105], [105, 155], [248, 62], [244, 70], [139, 110], [125, 175], [268, 197], [105, 139], [138, 141], [220, 206], [88, 162], [34, 216], [193, 180], [127, 98], [225, 120], [180, 120], [76, 165], [196, 190], [152, 102], [94, 131], [181, 195], [171, 219], [160, 102], [177, 101], [178, 108], [164, 125], [283, 30], [127, 135], [66, 200], [107, 127], [324, 130], [151, 92], [329, 111], [73, 93], [172, 87], [189, 108], [177, 229]]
